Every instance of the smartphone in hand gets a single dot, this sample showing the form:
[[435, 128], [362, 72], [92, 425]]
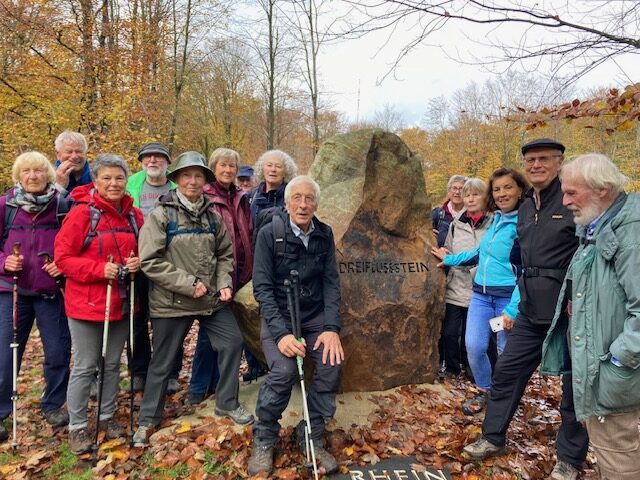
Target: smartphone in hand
[[497, 324]]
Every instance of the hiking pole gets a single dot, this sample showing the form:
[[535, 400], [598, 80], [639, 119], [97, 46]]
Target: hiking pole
[[132, 289], [297, 332], [105, 339], [47, 258], [14, 347]]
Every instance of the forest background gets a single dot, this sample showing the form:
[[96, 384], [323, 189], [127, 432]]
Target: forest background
[[202, 74]]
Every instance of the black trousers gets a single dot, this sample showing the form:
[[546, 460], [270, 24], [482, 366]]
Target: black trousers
[[141, 340], [275, 392], [453, 352], [514, 368]]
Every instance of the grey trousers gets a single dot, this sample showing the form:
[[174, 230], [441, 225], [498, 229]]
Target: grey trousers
[[86, 340], [168, 335], [275, 392]]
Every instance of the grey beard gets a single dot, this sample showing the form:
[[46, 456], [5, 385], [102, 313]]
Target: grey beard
[[155, 176]]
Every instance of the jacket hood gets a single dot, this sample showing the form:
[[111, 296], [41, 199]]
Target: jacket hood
[[217, 189], [88, 194]]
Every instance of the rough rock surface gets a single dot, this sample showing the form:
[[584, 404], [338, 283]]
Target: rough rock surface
[[247, 314], [374, 198]]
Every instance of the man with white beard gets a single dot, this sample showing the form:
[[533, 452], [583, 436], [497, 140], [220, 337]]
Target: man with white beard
[[603, 328], [146, 187]]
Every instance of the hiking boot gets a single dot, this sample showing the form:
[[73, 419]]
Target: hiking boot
[[57, 418], [564, 471], [141, 437], [325, 460], [195, 398], [173, 386], [79, 441], [238, 415], [475, 404], [111, 428], [138, 384], [3, 432], [261, 460], [481, 449]]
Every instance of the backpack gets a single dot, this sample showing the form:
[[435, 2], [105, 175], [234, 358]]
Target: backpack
[[271, 215], [172, 225], [95, 214], [63, 206]]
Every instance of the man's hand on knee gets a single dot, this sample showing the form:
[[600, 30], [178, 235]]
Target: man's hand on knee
[[290, 347], [332, 348]]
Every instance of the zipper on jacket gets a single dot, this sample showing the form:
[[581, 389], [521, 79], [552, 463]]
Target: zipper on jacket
[[535, 218]]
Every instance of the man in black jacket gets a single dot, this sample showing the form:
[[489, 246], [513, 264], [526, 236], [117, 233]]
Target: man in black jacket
[[546, 233], [308, 248]]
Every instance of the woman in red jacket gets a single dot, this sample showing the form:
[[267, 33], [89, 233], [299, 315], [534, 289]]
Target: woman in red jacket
[[233, 206], [103, 224]]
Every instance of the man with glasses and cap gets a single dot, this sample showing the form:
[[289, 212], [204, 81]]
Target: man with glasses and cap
[[547, 237], [146, 187]]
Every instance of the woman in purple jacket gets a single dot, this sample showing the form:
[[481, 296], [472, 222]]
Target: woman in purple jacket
[[30, 215]]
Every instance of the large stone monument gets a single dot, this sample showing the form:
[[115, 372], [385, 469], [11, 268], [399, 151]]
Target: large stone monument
[[374, 198]]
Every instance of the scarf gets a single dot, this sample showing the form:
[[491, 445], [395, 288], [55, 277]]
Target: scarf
[[193, 208], [33, 203]]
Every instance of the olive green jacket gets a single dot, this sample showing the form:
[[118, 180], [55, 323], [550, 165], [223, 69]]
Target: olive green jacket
[[175, 256]]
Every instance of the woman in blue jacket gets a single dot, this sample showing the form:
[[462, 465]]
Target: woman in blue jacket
[[494, 286]]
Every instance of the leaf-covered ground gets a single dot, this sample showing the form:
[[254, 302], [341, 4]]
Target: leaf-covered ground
[[414, 420]]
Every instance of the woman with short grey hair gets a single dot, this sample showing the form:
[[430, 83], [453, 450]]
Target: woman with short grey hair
[[465, 232], [105, 255]]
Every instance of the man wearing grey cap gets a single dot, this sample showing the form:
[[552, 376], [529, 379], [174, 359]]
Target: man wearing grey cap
[[546, 233], [146, 187]]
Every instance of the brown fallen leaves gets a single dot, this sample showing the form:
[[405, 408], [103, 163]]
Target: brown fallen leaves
[[413, 421]]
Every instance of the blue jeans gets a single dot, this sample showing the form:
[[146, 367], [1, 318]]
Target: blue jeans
[[54, 333], [204, 368], [482, 308]]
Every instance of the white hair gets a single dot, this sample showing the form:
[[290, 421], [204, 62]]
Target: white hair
[[597, 171], [74, 138], [290, 168], [302, 179]]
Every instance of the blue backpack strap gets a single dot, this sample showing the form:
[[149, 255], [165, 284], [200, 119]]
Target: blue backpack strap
[[172, 225]]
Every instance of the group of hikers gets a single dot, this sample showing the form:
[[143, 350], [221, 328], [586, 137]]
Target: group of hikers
[[94, 255], [539, 269]]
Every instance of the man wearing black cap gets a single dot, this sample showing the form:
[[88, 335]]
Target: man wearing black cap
[[146, 187], [546, 233]]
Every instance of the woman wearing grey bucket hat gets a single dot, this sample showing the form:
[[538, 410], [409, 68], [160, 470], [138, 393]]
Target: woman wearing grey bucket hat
[[187, 254]]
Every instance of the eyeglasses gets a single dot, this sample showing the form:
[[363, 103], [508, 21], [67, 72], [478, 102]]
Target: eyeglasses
[[543, 160], [456, 189]]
